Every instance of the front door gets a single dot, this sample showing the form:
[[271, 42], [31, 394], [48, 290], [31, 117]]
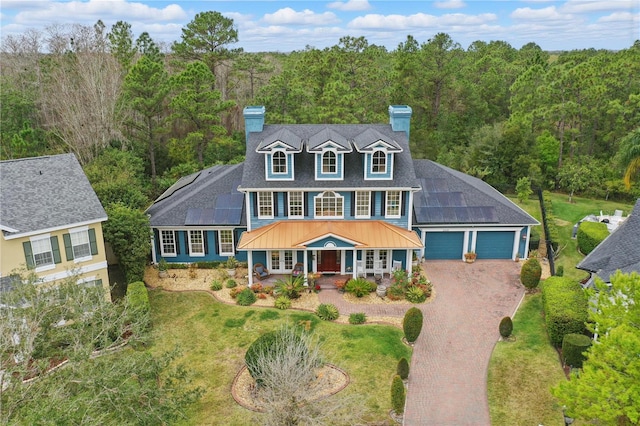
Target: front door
[[328, 261]]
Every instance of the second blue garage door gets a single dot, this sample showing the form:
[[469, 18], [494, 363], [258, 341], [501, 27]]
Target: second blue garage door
[[443, 245], [494, 244]]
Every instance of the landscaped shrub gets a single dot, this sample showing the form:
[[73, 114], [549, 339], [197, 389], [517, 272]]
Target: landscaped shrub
[[327, 312], [358, 318], [256, 287], [282, 302], [246, 297], [403, 368], [208, 264], [398, 395], [236, 290], [565, 307], [291, 287], [415, 295], [271, 346], [359, 287], [231, 283], [573, 347], [506, 327], [412, 324], [138, 297], [590, 234], [530, 273], [559, 271], [216, 285], [395, 292]]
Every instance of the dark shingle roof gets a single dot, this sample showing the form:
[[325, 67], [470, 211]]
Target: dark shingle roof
[[208, 197], [46, 193], [451, 197], [403, 176], [619, 251]]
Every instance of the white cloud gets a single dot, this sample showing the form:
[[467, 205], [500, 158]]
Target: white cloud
[[350, 5], [288, 16], [619, 17], [545, 14], [582, 6], [450, 4], [419, 20]]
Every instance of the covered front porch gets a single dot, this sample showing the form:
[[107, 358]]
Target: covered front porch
[[343, 248]]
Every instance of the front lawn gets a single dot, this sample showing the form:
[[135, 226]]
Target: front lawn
[[521, 372], [213, 338]]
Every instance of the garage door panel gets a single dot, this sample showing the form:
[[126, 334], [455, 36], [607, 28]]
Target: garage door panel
[[444, 245], [494, 244]]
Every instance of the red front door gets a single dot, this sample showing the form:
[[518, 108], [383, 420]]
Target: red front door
[[328, 261]]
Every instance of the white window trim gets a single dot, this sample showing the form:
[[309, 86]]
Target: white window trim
[[386, 162], [233, 245], [260, 215], [295, 216], [335, 164], [48, 266], [286, 164], [191, 253], [368, 215], [175, 243], [318, 198], [386, 205], [76, 230]]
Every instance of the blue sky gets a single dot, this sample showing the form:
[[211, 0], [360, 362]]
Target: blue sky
[[291, 25]]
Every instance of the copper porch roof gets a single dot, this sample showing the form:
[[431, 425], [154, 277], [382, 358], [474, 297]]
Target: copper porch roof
[[297, 234]]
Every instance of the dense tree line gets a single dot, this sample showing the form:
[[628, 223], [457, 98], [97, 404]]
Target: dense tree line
[[563, 120]]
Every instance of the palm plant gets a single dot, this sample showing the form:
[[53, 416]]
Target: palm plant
[[290, 287], [630, 154]]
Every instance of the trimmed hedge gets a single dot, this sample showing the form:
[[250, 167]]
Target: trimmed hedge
[[506, 327], [590, 234], [398, 395], [565, 306], [530, 273], [138, 297], [412, 324], [573, 347], [403, 368]]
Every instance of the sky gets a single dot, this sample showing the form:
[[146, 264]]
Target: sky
[[285, 26]]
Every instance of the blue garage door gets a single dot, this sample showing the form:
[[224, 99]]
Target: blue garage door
[[494, 244], [443, 245]]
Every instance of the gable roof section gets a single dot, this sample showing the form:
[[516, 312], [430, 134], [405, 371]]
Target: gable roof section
[[206, 198], [619, 251], [253, 177], [452, 197], [297, 234], [281, 136], [367, 141], [327, 135], [46, 193]]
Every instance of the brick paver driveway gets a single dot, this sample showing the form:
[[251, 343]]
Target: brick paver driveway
[[447, 383]]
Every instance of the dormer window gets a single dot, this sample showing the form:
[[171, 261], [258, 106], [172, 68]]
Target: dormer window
[[279, 162], [379, 164], [329, 205], [329, 162]]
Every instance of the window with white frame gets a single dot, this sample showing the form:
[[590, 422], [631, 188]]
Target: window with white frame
[[379, 162], [225, 237], [42, 252], [80, 245], [196, 243], [363, 203], [329, 204], [279, 162], [393, 204], [168, 243], [265, 204], [329, 162], [296, 204]]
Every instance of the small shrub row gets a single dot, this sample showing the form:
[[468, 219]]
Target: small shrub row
[[530, 273], [403, 368], [327, 312], [412, 324], [573, 348], [565, 307], [590, 234], [398, 395]]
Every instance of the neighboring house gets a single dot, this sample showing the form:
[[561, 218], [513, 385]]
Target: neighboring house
[[620, 251], [338, 198], [51, 221]]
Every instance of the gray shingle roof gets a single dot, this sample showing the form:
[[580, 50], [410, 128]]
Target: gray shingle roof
[[46, 193], [449, 197], [619, 251], [403, 177], [198, 199]]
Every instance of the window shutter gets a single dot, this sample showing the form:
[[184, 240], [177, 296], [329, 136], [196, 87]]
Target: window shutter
[[372, 203], [92, 241], [176, 237], [215, 242], [68, 248], [353, 203], [28, 255], [306, 204], [156, 239], [205, 238], [286, 203], [255, 204], [55, 248], [403, 205], [275, 204], [383, 203]]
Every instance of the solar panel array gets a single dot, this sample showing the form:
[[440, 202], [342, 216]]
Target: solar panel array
[[437, 204], [181, 183], [227, 211]]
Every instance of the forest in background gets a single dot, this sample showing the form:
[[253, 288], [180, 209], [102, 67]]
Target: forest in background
[[139, 115]]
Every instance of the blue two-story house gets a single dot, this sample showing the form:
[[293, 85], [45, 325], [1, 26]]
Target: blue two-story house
[[336, 198]]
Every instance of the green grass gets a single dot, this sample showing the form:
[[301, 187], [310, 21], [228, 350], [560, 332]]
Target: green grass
[[214, 337], [521, 372]]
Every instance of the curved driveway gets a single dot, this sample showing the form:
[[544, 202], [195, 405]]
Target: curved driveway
[[447, 382]]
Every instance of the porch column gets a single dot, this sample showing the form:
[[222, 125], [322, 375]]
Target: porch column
[[354, 264], [305, 260], [250, 267]]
